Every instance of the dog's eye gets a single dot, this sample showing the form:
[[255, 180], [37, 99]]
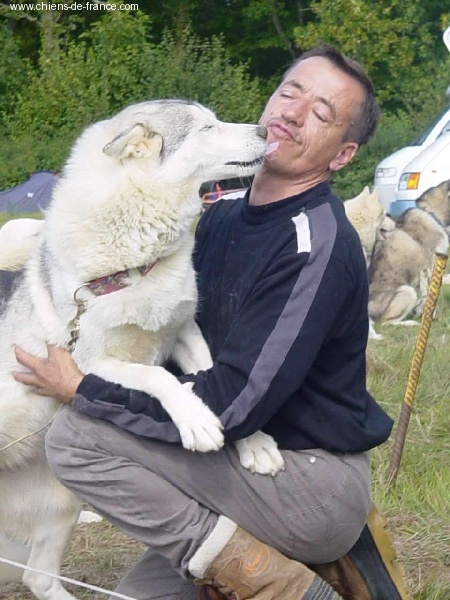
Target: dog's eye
[[206, 128]]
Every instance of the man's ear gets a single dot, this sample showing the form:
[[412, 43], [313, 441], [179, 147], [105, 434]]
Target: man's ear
[[137, 141], [344, 156]]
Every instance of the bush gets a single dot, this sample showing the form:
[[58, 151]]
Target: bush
[[23, 155], [14, 72], [111, 65]]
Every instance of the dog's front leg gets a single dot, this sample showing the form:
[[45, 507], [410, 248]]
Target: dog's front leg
[[199, 428], [51, 536], [373, 335], [424, 278], [259, 452], [191, 352]]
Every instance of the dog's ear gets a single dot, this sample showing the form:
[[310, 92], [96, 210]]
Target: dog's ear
[[137, 141]]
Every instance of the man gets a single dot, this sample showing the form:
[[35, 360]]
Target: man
[[283, 289]]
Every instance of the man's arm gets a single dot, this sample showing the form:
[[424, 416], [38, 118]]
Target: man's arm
[[274, 339]]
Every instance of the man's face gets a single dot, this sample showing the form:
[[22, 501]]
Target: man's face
[[309, 115]]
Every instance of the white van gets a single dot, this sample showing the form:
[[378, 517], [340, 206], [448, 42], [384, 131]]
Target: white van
[[427, 170], [387, 173]]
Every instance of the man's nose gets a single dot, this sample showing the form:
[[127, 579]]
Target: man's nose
[[296, 111]]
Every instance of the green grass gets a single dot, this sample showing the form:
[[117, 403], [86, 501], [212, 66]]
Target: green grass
[[418, 503]]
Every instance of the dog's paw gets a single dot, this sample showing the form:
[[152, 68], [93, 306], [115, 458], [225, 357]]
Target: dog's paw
[[259, 454], [373, 335], [200, 429]]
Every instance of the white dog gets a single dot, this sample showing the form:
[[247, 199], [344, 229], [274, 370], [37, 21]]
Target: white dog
[[368, 216], [112, 276], [17, 239]]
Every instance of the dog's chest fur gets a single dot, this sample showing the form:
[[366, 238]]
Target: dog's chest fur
[[140, 323]]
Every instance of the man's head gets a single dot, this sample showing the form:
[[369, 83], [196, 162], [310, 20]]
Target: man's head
[[365, 125], [322, 111]]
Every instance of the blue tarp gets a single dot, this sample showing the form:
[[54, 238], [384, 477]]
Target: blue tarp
[[31, 196]]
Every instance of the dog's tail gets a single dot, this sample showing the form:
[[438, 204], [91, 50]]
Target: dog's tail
[[18, 238], [14, 257]]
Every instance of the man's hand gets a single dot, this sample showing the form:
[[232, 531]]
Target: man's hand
[[56, 376]]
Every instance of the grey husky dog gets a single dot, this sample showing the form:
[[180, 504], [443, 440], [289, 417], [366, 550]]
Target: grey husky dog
[[402, 264]]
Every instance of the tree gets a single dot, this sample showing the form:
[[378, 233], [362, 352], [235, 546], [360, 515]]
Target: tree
[[257, 32], [393, 40], [114, 63], [14, 72]]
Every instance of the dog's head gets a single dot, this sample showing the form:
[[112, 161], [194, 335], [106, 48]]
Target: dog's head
[[386, 228], [436, 201], [184, 141], [368, 216], [130, 188]]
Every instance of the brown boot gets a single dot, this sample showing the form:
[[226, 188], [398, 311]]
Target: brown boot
[[370, 570], [207, 592], [246, 568]]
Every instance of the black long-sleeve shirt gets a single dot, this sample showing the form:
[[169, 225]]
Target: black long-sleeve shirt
[[283, 307]]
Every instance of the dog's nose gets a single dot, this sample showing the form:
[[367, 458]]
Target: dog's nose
[[262, 132]]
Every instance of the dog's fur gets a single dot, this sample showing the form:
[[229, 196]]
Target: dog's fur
[[18, 237], [436, 201], [368, 216], [127, 197], [401, 265]]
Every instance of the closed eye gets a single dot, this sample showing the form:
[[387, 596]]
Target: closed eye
[[206, 128], [321, 117]]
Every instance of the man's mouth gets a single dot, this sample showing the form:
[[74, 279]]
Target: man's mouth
[[279, 129]]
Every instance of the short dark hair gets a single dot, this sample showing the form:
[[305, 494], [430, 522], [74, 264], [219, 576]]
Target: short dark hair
[[369, 115]]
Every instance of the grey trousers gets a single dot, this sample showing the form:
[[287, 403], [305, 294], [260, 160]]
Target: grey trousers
[[170, 499]]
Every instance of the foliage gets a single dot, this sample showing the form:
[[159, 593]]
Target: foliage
[[393, 40], [14, 71], [114, 63], [65, 69], [110, 65], [21, 156], [201, 70], [258, 32]]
